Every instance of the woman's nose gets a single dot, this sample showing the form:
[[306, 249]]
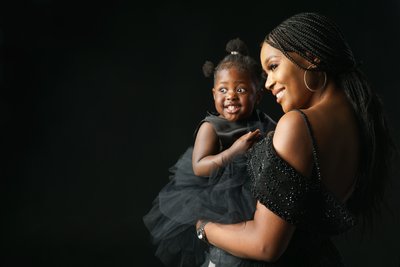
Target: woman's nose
[[269, 83]]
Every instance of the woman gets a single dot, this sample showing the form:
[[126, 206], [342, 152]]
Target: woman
[[325, 165]]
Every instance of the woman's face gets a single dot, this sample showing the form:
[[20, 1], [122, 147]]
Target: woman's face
[[285, 80], [234, 94]]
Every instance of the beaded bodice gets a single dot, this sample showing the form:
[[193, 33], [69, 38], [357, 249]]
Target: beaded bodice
[[302, 201]]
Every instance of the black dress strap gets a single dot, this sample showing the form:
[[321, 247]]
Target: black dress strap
[[314, 144]]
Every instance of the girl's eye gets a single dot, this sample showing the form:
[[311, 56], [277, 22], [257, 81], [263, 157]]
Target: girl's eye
[[223, 90], [241, 90]]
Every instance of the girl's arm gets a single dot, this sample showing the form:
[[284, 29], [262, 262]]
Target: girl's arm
[[206, 155]]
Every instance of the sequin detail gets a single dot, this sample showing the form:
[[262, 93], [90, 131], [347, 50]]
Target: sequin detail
[[299, 200]]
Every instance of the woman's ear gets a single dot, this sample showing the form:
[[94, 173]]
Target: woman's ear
[[314, 58]]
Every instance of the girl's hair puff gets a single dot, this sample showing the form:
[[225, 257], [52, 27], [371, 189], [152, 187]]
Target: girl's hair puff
[[238, 57]]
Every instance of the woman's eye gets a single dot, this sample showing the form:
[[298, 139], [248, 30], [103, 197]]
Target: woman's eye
[[272, 66]]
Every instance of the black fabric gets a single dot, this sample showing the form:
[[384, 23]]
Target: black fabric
[[222, 258], [302, 201], [224, 197], [229, 132]]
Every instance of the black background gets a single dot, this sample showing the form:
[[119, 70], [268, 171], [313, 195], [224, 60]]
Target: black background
[[99, 99]]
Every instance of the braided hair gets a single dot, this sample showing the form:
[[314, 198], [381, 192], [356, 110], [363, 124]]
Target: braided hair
[[238, 57], [311, 36]]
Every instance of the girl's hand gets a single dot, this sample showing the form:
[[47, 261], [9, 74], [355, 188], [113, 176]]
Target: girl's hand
[[245, 142]]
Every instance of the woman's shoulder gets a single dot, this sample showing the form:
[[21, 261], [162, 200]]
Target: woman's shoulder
[[294, 118], [292, 141], [290, 129]]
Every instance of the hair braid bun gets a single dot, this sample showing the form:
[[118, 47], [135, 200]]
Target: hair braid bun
[[238, 46]]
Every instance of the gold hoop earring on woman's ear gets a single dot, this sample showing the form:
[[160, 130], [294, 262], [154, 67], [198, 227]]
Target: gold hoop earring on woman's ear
[[305, 80]]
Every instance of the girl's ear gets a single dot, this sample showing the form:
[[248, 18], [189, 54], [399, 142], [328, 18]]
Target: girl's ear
[[213, 92]]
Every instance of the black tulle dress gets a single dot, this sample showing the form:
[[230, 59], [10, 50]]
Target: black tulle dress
[[224, 197]]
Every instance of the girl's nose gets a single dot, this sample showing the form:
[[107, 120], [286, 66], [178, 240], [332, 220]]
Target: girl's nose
[[231, 95]]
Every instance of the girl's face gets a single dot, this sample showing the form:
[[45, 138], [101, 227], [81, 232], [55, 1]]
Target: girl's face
[[234, 94], [285, 79]]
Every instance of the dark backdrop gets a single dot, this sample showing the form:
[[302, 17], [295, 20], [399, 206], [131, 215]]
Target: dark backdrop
[[98, 100]]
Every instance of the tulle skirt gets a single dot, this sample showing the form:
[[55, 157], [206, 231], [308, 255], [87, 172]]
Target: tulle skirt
[[223, 197]]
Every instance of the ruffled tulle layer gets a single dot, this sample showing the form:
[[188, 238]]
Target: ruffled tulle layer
[[223, 197]]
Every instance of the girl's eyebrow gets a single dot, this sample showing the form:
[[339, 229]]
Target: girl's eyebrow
[[235, 81]]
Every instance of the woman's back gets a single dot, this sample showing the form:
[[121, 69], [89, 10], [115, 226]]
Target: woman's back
[[337, 140]]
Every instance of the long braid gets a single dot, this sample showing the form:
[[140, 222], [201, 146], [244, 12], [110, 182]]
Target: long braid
[[376, 147], [311, 36]]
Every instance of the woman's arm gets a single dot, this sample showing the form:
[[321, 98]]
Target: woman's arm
[[267, 236], [264, 238], [206, 147]]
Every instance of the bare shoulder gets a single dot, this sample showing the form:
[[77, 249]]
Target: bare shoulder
[[206, 141], [206, 130], [292, 142], [289, 130]]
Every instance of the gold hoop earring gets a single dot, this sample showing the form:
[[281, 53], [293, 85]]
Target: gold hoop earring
[[305, 81]]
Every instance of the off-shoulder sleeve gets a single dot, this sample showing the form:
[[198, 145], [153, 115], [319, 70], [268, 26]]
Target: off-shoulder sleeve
[[275, 183], [299, 200]]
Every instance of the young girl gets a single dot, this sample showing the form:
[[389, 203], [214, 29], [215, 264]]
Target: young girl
[[200, 184]]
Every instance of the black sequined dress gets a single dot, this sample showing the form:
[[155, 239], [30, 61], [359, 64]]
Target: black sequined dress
[[302, 201], [224, 197]]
